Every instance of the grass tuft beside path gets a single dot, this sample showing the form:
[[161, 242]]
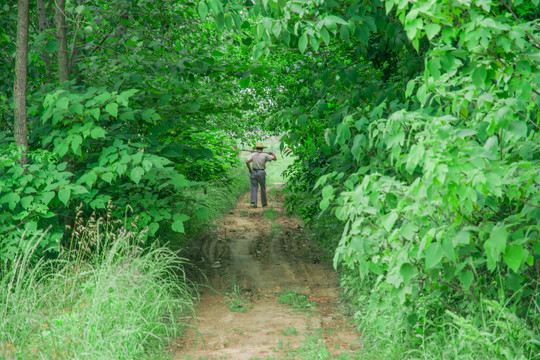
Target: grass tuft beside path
[[121, 302]]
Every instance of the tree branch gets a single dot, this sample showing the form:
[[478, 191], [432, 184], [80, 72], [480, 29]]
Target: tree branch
[[536, 43], [101, 42]]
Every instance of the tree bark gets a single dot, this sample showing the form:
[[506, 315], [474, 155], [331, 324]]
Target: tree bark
[[42, 16], [21, 74], [61, 38], [43, 27]]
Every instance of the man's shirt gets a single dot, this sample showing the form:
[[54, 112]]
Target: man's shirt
[[259, 159]]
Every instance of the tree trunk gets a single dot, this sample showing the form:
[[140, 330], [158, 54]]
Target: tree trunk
[[61, 38], [42, 16], [43, 27], [21, 73]]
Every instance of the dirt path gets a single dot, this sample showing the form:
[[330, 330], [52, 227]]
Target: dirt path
[[260, 260]]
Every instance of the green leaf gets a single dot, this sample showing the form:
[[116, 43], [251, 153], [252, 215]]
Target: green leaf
[[179, 181], [51, 45], [432, 30], [98, 132], [94, 113], [518, 128], [478, 76], [46, 197], [62, 103], [137, 157], [112, 108], [434, 254], [415, 155], [61, 148], [410, 88], [362, 33], [12, 200], [108, 177], [214, 4], [202, 212], [324, 203], [76, 108], [276, 29], [344, 33], [314, 43], [389, 220], [148, 115], [333, 20], [220, 21], [202, 9], [466, 278], [409, 230], [64, 194], [495, 245], [358, 146], [461, 238], [448, 247], [357, 243], [27, 201], [103, 97], [514, 256], [76, 142], [178, 222], [302, 43], [327, 191], [136, 174], [325, 35], [407, 271]]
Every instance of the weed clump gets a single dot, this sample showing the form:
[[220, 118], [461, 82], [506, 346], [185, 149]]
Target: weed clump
[[295, 300]]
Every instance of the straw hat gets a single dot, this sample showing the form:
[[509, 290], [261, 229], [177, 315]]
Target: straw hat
[[259, 145]]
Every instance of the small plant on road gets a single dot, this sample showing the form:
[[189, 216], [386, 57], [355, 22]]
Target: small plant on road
[[293, 299], [271, 214], [236, 301], [290, 331]]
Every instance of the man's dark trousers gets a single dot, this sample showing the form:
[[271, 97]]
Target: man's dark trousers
[[258, 177]]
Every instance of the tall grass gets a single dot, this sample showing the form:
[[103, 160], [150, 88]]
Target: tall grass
[[104, 298]]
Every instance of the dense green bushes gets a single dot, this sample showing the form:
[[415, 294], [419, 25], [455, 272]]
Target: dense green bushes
[[135, 125]]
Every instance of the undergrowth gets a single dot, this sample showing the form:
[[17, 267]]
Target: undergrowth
[[216, 198], [426, 326], [416, 331], [104, 297]]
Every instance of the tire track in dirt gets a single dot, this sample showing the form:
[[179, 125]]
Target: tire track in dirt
[[256, 254]]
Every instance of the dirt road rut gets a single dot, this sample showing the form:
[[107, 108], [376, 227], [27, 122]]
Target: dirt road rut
[[258, 260]]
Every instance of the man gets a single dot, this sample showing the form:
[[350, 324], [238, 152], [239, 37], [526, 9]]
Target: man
[[257, 174]]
